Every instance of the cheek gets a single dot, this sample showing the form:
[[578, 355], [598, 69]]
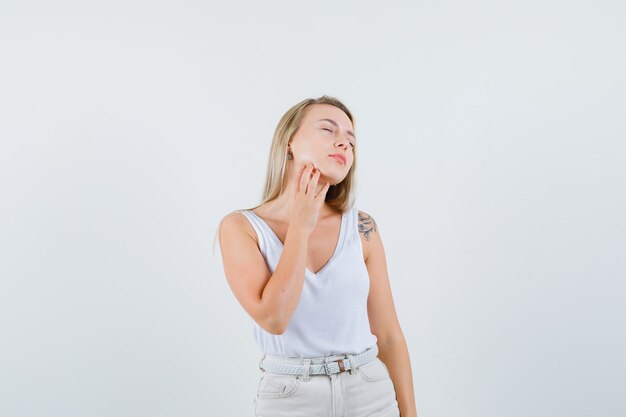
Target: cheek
[[309, 154], [311, 148]]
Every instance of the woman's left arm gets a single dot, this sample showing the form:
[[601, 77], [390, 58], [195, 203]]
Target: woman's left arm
[[392, 347]]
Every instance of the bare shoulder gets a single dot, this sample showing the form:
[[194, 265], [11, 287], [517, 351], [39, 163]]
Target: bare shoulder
[[367, 225], [368, 231], [236, 221]]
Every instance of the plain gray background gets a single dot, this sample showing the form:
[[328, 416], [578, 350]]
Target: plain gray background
[[492, 152]]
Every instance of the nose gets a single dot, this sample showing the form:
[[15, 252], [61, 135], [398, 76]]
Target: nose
[[342, 141]]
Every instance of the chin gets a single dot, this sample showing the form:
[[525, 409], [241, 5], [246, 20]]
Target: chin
[[335, 181]]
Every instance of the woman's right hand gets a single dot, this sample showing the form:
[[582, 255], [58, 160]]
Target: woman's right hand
[[304, 206]]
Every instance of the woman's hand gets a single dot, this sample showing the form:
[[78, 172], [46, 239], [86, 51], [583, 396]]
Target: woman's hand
[[304, 205]]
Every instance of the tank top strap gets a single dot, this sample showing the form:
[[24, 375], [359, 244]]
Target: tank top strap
[[353, 223], [254, 221], [263, 229], [263, 236]]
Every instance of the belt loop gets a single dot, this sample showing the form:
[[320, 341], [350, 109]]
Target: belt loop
[[306, 370], [352, 359], [261, 361]]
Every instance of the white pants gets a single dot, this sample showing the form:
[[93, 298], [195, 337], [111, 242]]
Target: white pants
[[366, 391]]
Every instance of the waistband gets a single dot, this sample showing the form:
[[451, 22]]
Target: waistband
[[317, 366]]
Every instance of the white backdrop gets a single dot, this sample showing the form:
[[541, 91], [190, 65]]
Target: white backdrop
[[492, 151]]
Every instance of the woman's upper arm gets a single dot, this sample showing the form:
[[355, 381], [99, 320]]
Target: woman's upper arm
[[380, 305], [245, 268]]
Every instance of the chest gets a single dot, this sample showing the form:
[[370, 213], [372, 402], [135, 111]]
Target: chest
[[322, 245], [323, 242]]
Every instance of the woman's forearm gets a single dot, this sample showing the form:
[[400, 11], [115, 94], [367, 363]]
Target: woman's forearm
[[395, 355]]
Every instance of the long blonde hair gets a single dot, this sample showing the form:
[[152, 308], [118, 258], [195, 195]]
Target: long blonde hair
[[340, 196]]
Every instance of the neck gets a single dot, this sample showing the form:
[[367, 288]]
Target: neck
[[279, 207]]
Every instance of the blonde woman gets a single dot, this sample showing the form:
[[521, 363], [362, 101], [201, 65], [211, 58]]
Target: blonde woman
[[310, 270]]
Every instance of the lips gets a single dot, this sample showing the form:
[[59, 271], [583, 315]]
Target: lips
[[339, 157]]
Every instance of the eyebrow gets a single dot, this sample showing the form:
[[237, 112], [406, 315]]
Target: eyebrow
[[351, 133]]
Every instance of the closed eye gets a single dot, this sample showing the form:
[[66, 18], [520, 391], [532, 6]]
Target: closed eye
[[351, 144]]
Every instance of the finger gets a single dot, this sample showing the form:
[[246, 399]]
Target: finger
[[323, 191], [313, 183], [295, 181], [304, 179]]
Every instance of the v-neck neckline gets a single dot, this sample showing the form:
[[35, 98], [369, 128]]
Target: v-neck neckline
[[332, 257]]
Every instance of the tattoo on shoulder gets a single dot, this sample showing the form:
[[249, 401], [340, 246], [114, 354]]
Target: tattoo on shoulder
[[367, 225]]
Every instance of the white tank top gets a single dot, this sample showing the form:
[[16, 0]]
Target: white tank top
[[331, 315]]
